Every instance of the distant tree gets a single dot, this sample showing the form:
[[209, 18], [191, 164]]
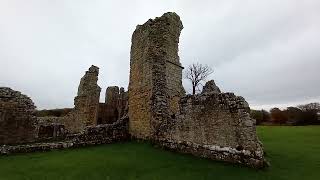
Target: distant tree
[[309, 113], [310, 107], [257, 115], [278, 116], [260, 116], [294, 115], [197, 73], [53, 112], [265, 116]]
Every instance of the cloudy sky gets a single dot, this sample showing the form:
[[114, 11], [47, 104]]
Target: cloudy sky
[[268, 51]]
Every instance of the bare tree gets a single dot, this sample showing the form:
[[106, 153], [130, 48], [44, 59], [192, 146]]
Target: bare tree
[[310, 107], [197, 73]]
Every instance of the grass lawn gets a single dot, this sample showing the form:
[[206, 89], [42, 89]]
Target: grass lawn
[[294, 153]]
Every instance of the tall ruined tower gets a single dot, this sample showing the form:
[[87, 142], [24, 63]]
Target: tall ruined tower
[[155, 85], [87, 100], [212, 124]]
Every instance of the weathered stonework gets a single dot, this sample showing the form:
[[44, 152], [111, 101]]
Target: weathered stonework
[[88, 111], [51, 129], [112, 96], [213, 124], [86, 103], [154, 53], [91, 135], [217, 126], [17, 121], [123, 103], [107, 114], [103, 134], [115, 106], [210, 87]]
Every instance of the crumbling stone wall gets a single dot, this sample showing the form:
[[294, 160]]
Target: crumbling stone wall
[[153, 55], [213, 124], [106, 115], [51, 131], [217, 126], [88, 111], [91, 135], [210, 87], [123, 103], [115, 106], [104, 133], [17, 121], [86, 103], [112, 96]]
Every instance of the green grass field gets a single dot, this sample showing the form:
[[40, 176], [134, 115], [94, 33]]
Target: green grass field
[[294, 153]]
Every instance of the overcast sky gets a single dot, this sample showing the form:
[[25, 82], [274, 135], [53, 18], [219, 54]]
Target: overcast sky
[[267, 51]]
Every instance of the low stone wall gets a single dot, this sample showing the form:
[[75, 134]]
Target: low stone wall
[[51, 131], [103, 134], [51, 128], [70, 122], [252, 159], [91, 135], [216, 126]]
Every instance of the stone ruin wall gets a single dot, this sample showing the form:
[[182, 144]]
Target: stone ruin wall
[[115, 105], [169, 46], [87, 111], [21, 131], [51, 128], [90, 135], [86, 103], [86, 106], [174, 84], [213, 124], [17, 121], [18, 124], [216, 126], [154, 53], [140, 84]]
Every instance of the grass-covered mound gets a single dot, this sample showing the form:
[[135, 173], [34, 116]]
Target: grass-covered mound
[[294, 153]]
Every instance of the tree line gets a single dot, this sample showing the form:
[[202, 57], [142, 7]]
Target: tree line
[[306, 114], [53, 112]]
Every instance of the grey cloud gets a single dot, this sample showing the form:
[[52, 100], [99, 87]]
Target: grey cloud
[[266, 51]]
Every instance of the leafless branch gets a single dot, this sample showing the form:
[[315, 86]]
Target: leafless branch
[[197, 73]]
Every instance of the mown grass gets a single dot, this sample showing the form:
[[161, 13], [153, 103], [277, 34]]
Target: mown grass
[[294, 153]]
